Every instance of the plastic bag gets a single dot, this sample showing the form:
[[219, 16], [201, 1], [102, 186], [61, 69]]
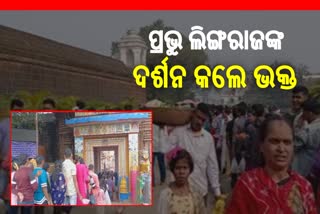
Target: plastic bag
[[92, 199], [236, 167], [14, 199], [107, 198], [220, 204]]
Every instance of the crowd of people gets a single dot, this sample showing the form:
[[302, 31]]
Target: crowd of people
[[271, 157], [72, 183]]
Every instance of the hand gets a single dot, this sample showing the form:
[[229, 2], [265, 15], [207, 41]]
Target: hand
[[38, 173], [20, 196], [50, 202], [80, 197], [242, 136], [220, 197]]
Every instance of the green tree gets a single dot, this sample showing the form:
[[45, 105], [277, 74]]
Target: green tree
[[66, 103], [315, 89], [28, 120], [96, 104], [24, 120]]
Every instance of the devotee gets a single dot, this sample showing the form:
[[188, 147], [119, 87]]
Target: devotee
[[80, 105], [307, 142], [82, 178], [58, 184], [70, 174], [299, 95], [16, 104], [41, 195], [158, 138], [273, 187], [24, 184], [97, 195], [48, 104], [255, 117], [4, 162]]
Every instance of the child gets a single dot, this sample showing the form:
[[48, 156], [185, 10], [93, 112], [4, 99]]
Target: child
[[178, 197]]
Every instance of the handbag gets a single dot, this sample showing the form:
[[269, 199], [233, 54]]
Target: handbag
[[92, 199]]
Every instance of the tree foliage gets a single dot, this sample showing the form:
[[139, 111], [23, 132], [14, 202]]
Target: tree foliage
[[24, 120], [28, 120], [315, 89], [33, 101]]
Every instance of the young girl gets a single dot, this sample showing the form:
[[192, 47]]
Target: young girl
[[178, 197]]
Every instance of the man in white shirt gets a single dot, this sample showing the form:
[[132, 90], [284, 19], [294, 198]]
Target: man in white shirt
[[69, 172], [199, 143]]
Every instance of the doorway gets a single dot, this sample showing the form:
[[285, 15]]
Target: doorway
[[106, 158]]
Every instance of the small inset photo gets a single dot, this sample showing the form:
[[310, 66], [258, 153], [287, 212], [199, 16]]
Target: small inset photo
[[81, 158]]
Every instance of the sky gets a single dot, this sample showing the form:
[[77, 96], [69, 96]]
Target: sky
[[96, 30]]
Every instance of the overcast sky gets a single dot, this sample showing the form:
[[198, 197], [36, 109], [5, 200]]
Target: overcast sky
[[95, 30]]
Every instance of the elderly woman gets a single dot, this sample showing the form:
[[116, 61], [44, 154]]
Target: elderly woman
[[273, 188]]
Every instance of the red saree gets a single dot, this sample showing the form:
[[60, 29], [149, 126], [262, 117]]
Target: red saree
[[256, 192]]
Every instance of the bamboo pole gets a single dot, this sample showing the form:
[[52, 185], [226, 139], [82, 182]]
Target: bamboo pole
[[37, 133]]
